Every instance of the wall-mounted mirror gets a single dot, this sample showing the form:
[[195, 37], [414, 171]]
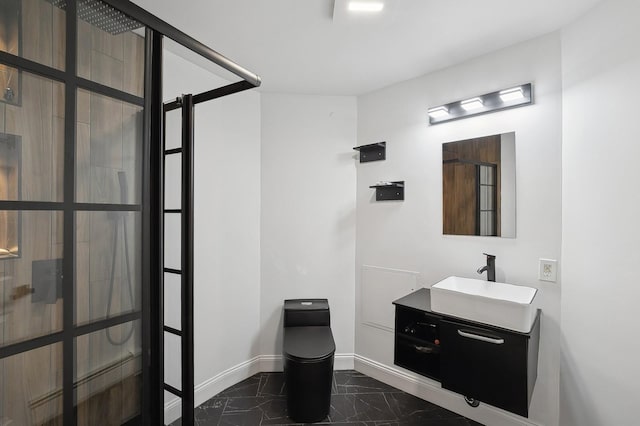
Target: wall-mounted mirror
[[479, 186]]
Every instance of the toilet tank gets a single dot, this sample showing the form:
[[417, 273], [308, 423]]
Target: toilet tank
[[306, 313]]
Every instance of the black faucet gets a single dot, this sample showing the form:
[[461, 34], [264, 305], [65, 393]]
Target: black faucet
[[490, 267]]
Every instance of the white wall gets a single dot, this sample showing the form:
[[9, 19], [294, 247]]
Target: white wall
[[302, 244], [408, 235], [508, 194], [308, 211], [227, 226], [600, 373]]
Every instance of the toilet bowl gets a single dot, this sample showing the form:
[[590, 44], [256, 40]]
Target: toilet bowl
[[308, 350]]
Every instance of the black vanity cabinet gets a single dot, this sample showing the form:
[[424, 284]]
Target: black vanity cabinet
[[417, 342], [489, 364]]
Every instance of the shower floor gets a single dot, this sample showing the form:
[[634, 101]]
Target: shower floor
[[356, 400]]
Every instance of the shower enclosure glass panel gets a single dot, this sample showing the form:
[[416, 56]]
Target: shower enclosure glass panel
[[108, 242], [109, 52], [31, 387], [108, 375], [108, 150], [173, 129], [34, 30], [71, 212], [108, 264], [31, 285], [172, 181], [172, 312], [39, 124], [173, 235]]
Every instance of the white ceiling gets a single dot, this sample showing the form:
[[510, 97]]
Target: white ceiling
[[297, 47]]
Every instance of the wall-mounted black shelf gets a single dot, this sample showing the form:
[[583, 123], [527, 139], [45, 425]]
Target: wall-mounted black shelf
[[389, 191], [372, 152]]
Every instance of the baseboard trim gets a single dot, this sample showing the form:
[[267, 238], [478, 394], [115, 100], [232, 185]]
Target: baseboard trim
[[431, 391], [274, 362], [262, 363], [213, 386]]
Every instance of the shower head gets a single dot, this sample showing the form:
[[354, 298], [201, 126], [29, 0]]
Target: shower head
[[102, 15]]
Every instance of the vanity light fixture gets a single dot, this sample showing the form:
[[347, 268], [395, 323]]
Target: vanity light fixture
[[511, 94], [471, 104], [438, 112], [512, 97], [366, 6]]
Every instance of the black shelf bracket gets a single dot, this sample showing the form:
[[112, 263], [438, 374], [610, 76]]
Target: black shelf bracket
[[389, 191], [372, 152]]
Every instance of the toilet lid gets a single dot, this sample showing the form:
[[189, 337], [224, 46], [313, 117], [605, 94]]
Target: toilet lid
[[308, 343]]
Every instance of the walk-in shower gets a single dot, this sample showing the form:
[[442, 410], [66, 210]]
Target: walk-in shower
[[81, 220]]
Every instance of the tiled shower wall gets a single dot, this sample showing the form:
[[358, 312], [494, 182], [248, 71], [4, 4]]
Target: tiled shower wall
[[109, 136]]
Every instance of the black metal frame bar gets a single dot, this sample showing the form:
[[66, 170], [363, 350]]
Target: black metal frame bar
[[176, 392], [186, 104], [69, 239], [53, 206], [139, 14], [494, 187], [188, 385], [173, 151], [222, 91], [209, 95], [153, 224], [27, 345], [55, 74], [186, 285]]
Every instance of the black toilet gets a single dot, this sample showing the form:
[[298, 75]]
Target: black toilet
[[308, 350]]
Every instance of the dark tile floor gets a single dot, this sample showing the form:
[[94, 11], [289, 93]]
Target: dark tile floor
[[356, 400]]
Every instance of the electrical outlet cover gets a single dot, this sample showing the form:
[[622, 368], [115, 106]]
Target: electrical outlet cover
[[548, 270]]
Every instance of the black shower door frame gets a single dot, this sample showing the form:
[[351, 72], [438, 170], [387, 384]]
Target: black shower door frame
[[151, 312], [68, 207]]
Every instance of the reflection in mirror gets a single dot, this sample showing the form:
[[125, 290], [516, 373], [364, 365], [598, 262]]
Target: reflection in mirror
[[479, 186]]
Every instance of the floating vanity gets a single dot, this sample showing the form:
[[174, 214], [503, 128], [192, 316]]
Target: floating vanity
[[491, 359]]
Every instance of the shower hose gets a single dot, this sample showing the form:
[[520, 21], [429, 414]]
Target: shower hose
[[120, 218]]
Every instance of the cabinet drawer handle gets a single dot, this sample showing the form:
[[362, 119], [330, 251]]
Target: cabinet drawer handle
[[482, 338], [423, 349]]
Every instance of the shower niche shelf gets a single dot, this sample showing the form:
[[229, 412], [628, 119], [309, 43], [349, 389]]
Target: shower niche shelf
[[10, 189], [372, 152], [389, 191]]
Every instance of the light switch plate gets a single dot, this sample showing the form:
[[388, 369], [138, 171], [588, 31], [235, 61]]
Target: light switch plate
[[547, 270]]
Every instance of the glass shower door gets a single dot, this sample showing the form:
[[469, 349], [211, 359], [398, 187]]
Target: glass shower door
[[71, 177]]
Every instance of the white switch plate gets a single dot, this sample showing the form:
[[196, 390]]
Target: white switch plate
[[547, 270]]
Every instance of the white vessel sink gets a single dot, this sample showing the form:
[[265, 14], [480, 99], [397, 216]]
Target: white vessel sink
[[502, 305]]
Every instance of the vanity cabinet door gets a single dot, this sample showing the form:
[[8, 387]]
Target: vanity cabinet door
[[486, 364]]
